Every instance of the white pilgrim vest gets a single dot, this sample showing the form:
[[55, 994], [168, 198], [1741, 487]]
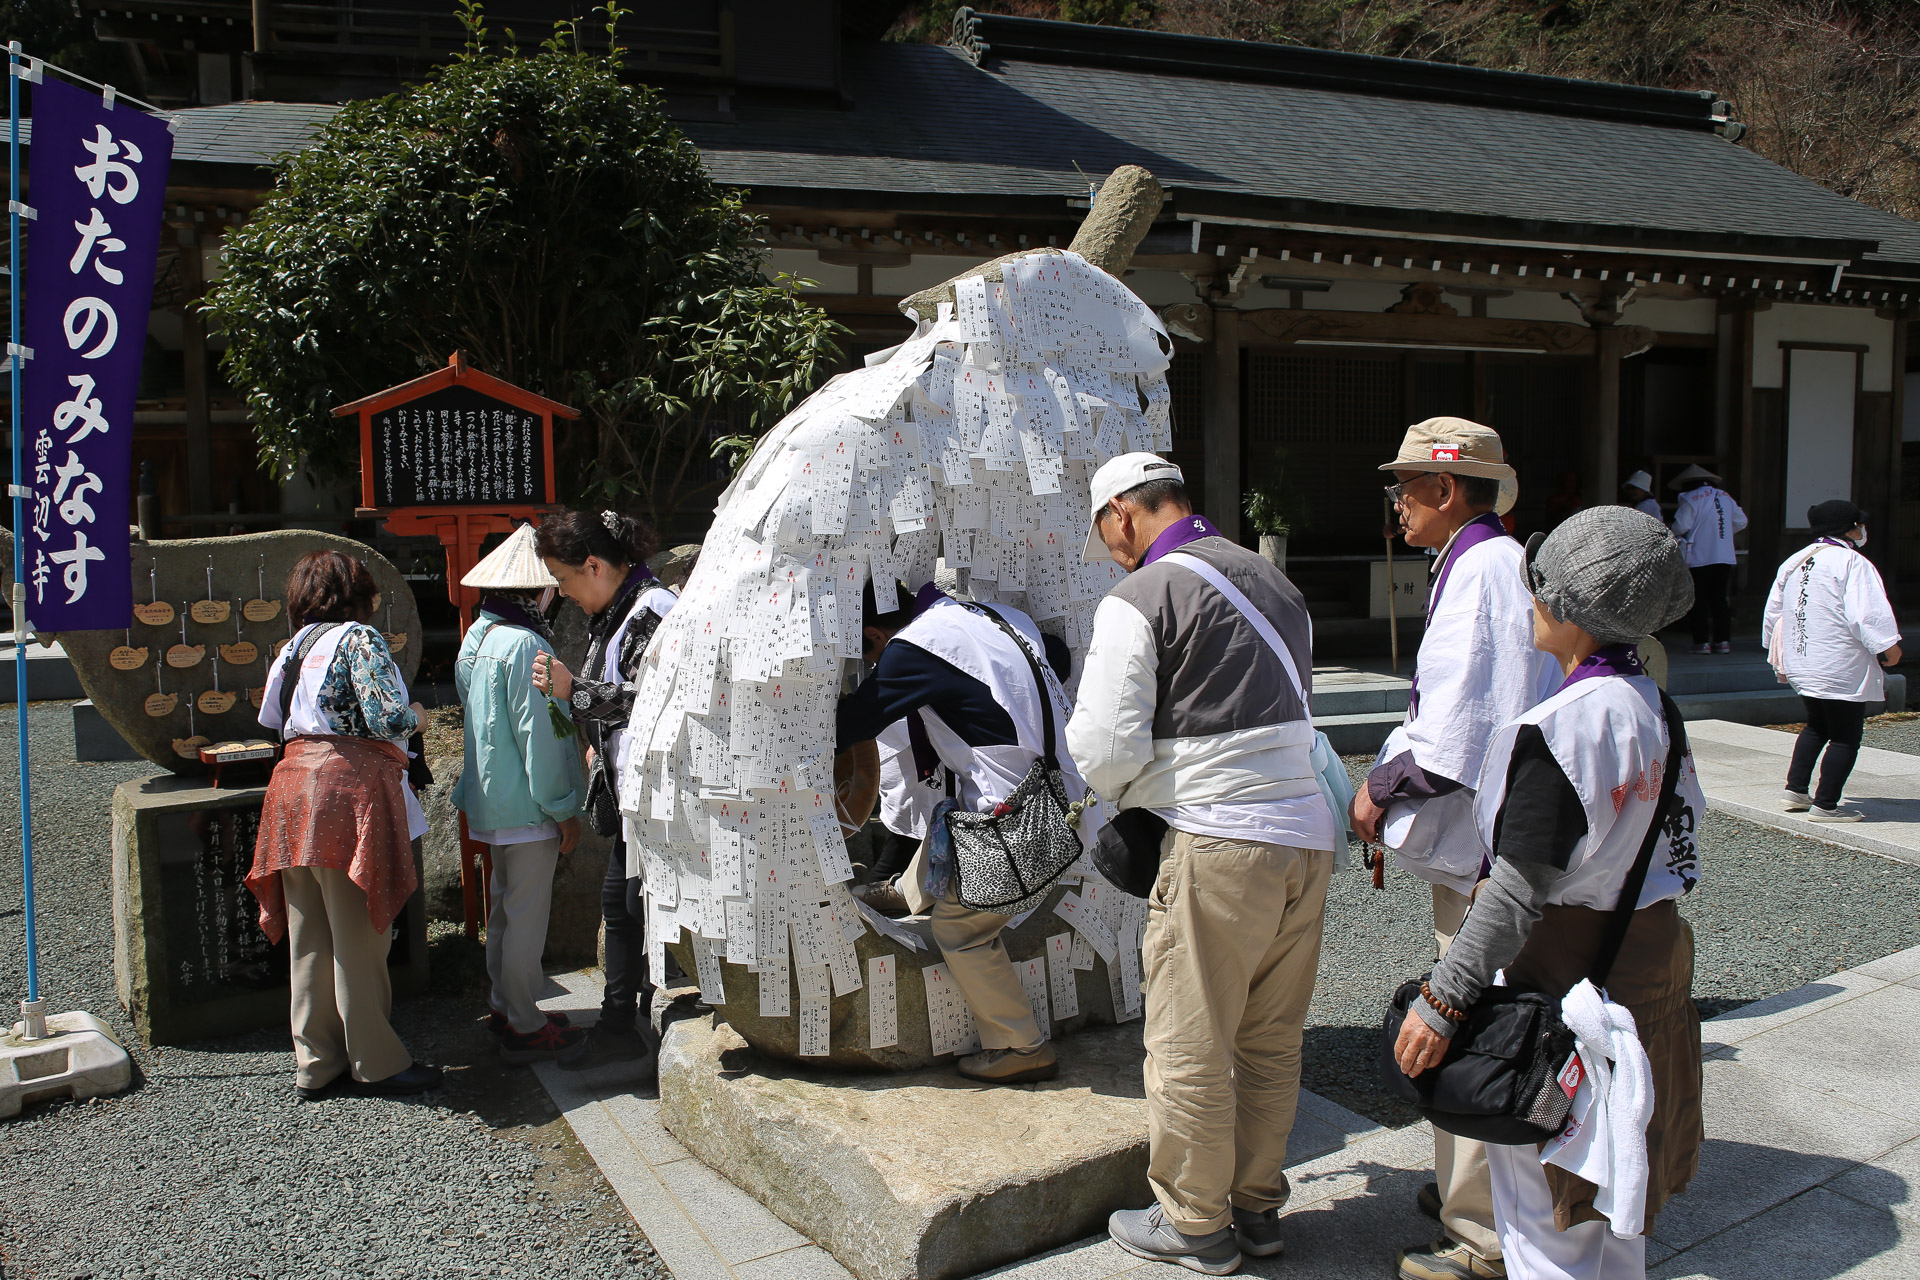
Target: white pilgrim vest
[[1609, 736], [906, 803], [1478, 669], [659, 599], [987, 775]]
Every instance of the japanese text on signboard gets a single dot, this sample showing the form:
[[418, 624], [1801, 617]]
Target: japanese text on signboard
[[99, 179], [457, 446]]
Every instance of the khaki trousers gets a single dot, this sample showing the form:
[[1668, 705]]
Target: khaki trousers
[[978, 961], [521, 899], [1460, 1164], [1232, 947], [342, 994]]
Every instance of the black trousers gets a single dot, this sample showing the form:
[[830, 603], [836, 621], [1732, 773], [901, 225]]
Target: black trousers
[[895, 853], [1837, 727], [1712, 615], [629, 992]]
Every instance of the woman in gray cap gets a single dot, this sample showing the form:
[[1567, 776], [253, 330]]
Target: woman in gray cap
[[1566, 798], [1829, 630]]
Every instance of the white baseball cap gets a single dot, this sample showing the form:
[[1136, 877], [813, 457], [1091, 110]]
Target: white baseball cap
[[1128, 471]]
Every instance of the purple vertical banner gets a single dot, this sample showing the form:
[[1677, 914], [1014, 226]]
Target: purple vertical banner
[[98, 181]]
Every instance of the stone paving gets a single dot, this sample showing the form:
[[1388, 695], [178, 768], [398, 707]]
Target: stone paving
[[1809, 1170]]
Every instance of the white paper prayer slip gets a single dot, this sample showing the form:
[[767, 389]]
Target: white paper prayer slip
[[816, 1009], [970, 443], [949, 1022], [1033, 978], [1061, 986], [883, 1009]]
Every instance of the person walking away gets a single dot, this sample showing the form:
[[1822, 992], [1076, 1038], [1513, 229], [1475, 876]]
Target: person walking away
[[1829, 630], [1476, 669], [1637, 492], [1705, 520], [521, 789], [1193, 710], [599, 562], [333, 860], [967, 689], [1565, 802]]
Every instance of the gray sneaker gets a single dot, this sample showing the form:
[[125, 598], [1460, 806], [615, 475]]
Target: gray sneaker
[[1817, 814], [1146, 1233], [1798, 801], [1257, 1232]]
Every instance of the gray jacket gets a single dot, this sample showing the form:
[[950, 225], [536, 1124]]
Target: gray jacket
[[1181, 702]]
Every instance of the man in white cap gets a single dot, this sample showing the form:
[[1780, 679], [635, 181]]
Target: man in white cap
[[522, 787], [1705, 520], [1192, 718], [1477, 669], [1637, 489]]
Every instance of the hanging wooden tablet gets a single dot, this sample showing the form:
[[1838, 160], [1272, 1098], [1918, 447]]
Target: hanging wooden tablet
[[211, 611], [260, 609], [257, 696], [216, 701], [155, 612], [160, 703], [188, 748], [127, 658], [241, 653], [184, 654]]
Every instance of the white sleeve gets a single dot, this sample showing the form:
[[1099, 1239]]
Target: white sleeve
[[1739, 517], [1775, 601], [1683, 516], [1110, 735], [1868, 613]]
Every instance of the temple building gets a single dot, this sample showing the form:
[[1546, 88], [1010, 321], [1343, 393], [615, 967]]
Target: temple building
[[1349, 244]]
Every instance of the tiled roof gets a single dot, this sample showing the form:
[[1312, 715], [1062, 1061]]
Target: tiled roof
[[247, 132], [924, 119]]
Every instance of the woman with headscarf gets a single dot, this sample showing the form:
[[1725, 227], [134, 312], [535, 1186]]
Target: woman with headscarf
[[599, 563], [333, 861], [1829, 630], [521, 789], [1566, 799]]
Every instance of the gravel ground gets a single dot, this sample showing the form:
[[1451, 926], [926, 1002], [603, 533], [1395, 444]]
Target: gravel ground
[[209, 1167], [1772, 912]]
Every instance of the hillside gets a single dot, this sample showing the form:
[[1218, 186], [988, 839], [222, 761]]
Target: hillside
[[1831, 90]]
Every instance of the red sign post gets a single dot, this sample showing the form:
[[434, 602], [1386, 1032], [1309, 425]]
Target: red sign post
[[456, 455]]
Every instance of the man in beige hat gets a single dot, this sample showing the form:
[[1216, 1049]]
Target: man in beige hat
[[521, 790], [1477, 669]]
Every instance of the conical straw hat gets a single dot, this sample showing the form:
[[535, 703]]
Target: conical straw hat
[[514, 565]]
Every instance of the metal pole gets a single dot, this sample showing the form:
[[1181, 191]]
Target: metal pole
[[31, 1010]]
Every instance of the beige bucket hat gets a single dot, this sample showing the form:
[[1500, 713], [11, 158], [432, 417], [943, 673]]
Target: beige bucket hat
[[1455, 446], [514, 565]]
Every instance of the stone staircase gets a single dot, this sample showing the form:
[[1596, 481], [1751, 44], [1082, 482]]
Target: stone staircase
[[1357, 707]]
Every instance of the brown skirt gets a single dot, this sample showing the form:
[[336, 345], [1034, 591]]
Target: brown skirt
[[1653, 978], [336, 802]]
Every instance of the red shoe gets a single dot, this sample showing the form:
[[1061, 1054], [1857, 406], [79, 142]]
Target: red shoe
[[498, 1026], [544, 1045]]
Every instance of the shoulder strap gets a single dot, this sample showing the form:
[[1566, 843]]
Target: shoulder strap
[[1039, 681], [290, 678], [1623, 910], [1235, 597]]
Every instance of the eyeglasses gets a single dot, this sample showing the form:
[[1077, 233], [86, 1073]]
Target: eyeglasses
[[1397, 493]]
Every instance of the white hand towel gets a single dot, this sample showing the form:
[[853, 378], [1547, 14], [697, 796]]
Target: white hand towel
[[1606, 1140]]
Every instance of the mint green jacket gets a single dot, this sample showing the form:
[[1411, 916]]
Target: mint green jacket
[[523, 756]]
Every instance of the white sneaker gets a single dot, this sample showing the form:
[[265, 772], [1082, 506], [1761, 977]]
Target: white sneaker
[[1834, 815], [1701, 648], [1798, 801]]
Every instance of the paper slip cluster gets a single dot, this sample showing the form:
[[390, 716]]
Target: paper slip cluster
[[968, 448]]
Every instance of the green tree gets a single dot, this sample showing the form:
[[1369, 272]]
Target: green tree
[[545, 218]]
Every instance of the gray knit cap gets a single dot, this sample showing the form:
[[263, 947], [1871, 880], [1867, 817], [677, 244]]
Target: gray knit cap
[[1614, 572]]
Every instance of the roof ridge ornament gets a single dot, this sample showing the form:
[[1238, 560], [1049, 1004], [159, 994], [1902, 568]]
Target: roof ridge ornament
[[966, 35]]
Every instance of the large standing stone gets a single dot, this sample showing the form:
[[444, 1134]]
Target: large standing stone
[[921, 1176], [175, 571], [780, 1037]]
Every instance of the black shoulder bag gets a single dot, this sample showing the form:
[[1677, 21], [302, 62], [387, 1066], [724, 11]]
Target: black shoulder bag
[[1499, 1081], [1005, 860], [290, 678]]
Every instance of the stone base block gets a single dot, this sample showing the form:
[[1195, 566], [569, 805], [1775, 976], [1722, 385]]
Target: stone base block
[[923, 1175], [78, 1058], [94, 739]]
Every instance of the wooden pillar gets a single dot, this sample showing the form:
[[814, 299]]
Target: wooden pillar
[[1223, 430], [1887, 518], [1603, 449], [193, 353]]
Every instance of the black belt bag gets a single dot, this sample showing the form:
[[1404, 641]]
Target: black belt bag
[[1499, 1081]]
